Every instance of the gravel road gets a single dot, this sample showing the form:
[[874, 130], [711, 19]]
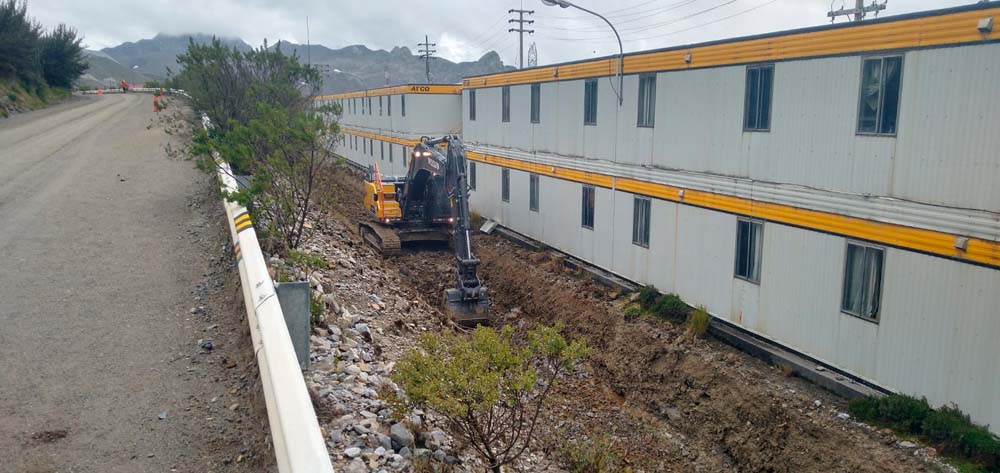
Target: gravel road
[[104, 245]]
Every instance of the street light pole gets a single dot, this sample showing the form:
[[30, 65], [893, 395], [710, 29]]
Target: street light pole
[[621, 50], [363, 83]]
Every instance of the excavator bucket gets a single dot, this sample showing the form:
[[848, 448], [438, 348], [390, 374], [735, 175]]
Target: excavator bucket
[[467, 312]]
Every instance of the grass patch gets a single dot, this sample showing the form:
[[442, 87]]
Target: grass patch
[[305, 259], [593, 456], [632, 312], [698, 322], [20, 97], [316, 311], [948, 429]]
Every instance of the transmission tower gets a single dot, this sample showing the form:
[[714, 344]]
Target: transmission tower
[[532, 55], [426, 52], [521, 31], [859, 11]]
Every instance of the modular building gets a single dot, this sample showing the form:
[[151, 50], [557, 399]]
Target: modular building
[[380, 126], [831, 189]]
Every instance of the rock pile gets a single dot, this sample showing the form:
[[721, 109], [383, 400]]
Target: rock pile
[[367, 325]]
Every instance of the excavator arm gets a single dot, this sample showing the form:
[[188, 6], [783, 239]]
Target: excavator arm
[[467, 302]]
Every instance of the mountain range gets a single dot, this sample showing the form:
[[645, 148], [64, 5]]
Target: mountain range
[[350, 68]]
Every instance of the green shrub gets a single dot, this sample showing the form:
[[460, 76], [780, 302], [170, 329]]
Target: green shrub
[[12, 96], [592, 456], [305, 259], [954, 431], [315, 311], [671, 307], [648, 296], [632, 312], [898, 411], [948, 428], [488, 387], [698, 322]]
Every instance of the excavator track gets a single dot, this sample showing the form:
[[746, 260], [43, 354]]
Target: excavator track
[[384, 239]]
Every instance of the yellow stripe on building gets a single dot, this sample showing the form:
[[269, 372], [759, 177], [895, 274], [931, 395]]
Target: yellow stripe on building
[[907, 33], [927, 241], [442, 89]]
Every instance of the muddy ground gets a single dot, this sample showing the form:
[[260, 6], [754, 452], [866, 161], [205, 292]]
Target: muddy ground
[[657, 397]]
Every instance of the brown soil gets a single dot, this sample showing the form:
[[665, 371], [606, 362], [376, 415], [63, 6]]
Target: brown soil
[[662, 399]]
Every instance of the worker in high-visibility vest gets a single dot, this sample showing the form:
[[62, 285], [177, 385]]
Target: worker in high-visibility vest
[[124, 86]]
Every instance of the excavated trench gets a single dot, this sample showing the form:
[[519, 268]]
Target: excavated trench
[[660, 399]]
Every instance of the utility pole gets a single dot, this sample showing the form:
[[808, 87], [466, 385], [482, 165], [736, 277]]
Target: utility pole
[[521, 31], [426, 51], [859, 11]]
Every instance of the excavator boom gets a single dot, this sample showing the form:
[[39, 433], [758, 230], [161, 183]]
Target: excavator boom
[[467, 303]]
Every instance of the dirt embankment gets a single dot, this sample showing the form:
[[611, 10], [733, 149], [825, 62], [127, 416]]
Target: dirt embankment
[[660, 399]]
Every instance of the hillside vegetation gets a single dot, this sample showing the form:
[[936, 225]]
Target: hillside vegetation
[[36, 66]]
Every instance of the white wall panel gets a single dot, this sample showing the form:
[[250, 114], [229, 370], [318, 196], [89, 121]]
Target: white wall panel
[[949, 137], [706, 245]]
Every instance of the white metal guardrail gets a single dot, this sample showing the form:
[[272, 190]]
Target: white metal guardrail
[[298, 443]]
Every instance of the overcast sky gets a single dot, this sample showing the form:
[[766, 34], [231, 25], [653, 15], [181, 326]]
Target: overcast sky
[[463, 29]]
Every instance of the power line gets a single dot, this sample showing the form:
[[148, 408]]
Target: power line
[[594, 29], [426, 52], [652, 27], [671, 33], [520, 31], [620, 16]]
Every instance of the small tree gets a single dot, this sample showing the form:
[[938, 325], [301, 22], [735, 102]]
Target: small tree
[[61, 57], [283, 152], [19, 36], [488, 389]]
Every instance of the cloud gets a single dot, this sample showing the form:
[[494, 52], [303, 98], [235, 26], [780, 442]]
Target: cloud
[[463, 29]]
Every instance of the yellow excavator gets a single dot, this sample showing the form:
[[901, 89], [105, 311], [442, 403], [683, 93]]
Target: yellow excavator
[[429, 203]]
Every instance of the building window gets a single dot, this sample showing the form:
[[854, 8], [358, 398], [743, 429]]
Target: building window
[[364, 144], [590, 102], [640, 222], [505, 103], [472, 105], [388, 110], [371, 147], [370, 108], [647, 100], [402, 107], [472, 175], [505, 185], [380, 106], [533, 192], [878, 107], [587, 215], [404, 156], [757, 103], [354, 106], [536, 103], [381, 150], [749, 241], [390, 152], [863, 280]]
